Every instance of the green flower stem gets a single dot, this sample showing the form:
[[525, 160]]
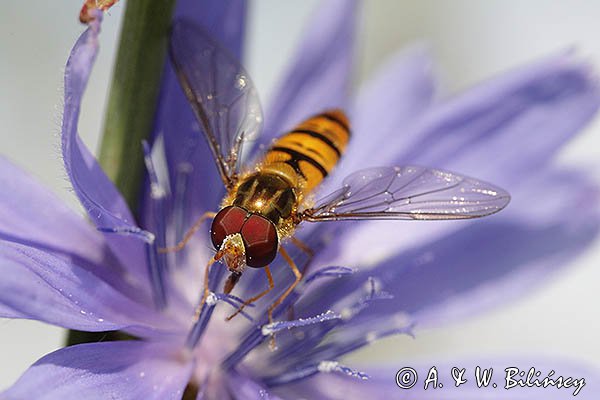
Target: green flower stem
[[134, 93], [131, 107]]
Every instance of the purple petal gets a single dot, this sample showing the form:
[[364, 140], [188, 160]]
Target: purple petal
[[113, 370], [483, 263], [399, 94], [7, 312], [382, 382], [191, 166], [38, 285], [225, 20], [101, 199], [508, 126], [243, 387], [319, 73], [502, 131], [32, 215]]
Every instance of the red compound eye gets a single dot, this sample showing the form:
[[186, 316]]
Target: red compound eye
[[227, 222], [260, 240]]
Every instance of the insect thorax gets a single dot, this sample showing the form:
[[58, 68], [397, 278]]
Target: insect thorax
[[267, 194]]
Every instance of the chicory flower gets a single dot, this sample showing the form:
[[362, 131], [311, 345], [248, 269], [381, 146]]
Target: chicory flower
[[369, 280]]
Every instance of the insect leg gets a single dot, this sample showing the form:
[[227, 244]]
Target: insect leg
[[310, 253], [285, 294], [189, 234], [206, 289], [304, 247], [258, 296]]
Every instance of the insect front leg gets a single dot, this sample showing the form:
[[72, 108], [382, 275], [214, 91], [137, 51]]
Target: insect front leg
[[306, 249], [289, 290], [206, 289], [189, 234], [310, 253]]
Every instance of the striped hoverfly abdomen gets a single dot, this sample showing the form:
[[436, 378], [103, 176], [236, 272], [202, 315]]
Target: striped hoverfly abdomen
[[307, 154]]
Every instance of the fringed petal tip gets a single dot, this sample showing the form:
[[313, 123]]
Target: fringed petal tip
[[572, 57]]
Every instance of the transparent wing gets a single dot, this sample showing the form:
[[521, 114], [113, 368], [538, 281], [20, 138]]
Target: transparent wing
[[408, 193], [220, 92]]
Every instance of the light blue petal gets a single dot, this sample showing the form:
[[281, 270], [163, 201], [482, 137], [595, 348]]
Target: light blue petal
[[400, 93], [319, 74], [101, 199], [113, 370], [32, 215], [507, 127], [38, 285]]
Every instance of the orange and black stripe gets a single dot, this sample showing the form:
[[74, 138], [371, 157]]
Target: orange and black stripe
[[312, 149]]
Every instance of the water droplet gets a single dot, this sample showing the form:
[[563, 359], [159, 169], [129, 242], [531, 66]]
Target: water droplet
[[402, 320], [212, 299], [347, 313], [371, 337], [241, 82]]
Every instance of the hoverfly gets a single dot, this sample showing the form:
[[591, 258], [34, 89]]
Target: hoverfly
[[265, 202]]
